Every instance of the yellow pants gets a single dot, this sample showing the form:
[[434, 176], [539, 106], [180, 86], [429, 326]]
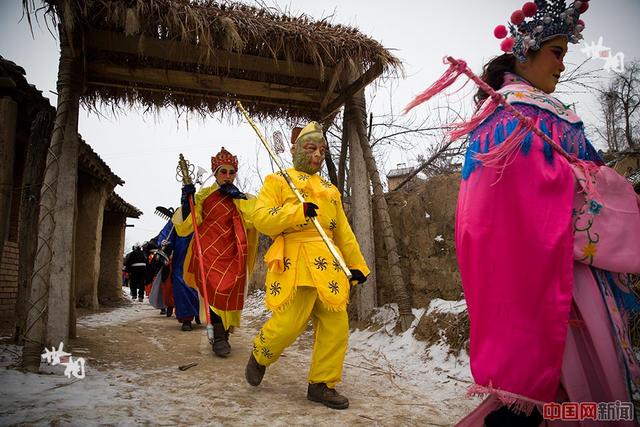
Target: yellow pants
[[331, 335]]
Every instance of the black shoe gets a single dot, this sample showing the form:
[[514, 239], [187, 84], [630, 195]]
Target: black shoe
[[503, 417], [169, 311], [163, 311], [329, 397], [220, 344], [140, 299], [254, 372], [186, 326], [198, 320]]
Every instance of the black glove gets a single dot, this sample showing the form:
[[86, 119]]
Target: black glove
[[232, 191], [187, 192], [357, 276], [310, 209]]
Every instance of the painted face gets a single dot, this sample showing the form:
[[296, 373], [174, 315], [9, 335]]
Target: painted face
[[543, 69], [225, 174], [308, 155]]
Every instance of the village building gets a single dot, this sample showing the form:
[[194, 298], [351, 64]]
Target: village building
[[26, 123]]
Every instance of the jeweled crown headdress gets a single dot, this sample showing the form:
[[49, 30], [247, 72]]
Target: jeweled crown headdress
[[549, 18], [223, 158]]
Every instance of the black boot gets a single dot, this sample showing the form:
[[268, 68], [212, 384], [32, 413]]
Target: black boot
[[329, 397], [186, 326], [504, 417], [254, 372], [163, 311], [220, 345], [169, 311]]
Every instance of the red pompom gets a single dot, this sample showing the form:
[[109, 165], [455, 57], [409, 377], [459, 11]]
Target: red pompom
[[529, 9], [507, 44], [500, 32], [581, 22], [517, 17], [583, 7]]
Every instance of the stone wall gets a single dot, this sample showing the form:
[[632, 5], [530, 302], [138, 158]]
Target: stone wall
[[423, 223]]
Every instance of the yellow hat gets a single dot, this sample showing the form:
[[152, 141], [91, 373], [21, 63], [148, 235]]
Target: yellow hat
[[312, 130]]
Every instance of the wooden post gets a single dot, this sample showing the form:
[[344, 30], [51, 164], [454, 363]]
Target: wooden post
[[361, 214], [35, 159], [61, 279], [39, 296], [403, 297], [8, 116]]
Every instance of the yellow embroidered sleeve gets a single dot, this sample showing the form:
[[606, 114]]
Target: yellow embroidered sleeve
[[272, 214], [247, 209]]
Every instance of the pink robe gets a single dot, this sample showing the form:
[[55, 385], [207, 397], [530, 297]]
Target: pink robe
[[542, 327]]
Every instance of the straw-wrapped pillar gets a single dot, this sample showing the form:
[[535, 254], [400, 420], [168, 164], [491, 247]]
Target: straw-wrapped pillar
[[34, 164], [361, 214], [400, 288], [49, 296]]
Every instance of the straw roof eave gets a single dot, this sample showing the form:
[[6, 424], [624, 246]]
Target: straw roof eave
[[123, 42]]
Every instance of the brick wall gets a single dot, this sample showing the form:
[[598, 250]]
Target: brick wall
[[8, 280]]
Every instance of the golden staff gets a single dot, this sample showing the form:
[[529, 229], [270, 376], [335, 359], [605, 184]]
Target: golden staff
[[295, 190], [183, 171]]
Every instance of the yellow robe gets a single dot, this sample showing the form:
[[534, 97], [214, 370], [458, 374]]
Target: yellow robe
[[298, 256], [184, 228]]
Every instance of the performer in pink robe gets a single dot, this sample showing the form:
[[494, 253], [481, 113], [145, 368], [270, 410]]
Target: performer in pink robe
[[545, 240]]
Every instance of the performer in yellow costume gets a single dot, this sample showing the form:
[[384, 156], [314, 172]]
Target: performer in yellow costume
[[304, 280], [228, 241]]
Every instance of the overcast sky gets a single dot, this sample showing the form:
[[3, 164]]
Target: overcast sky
[[143, 149]]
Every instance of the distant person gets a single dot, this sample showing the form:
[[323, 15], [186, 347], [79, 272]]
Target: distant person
[[136, 267]]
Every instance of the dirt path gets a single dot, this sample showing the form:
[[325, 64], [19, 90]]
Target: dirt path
[[132, 377]]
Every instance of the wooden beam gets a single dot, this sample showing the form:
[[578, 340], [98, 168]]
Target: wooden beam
[[360, 83], [244, 99], [225, 86], [186, 53]]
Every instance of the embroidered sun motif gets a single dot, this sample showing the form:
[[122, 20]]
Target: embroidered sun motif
[[261, 336], [274, 210], [304, 194], [286, 263], [275, 288], [325, 183], [333, 224], [333, 287], [336, 265], [303, 177], [320, 263], [267, 353]]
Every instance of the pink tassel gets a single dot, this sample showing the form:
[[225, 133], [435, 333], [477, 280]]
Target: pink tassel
[[447, 79], [463, 128], [503, 154], [513, 401]]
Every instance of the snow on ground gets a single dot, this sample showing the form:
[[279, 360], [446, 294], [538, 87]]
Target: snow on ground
[[132, 377], [408, 360]]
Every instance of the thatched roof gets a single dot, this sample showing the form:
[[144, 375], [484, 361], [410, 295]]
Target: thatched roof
[[14, 84], [117, 204], [90, 162], [203, 55]]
